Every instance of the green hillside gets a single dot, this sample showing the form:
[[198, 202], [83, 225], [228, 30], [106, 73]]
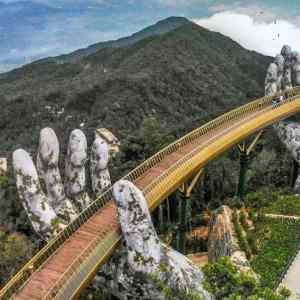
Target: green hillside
[[182, 78]]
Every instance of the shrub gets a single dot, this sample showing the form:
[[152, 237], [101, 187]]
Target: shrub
[[226, 282], [239, 234], [243, 220], [278, 240], [15, 250]]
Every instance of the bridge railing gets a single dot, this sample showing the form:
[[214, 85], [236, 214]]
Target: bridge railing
[[206, 130]]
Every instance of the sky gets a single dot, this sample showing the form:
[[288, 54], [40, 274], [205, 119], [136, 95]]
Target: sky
[[30, 30]]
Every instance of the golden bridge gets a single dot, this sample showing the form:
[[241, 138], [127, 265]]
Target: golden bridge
[[68, 263]]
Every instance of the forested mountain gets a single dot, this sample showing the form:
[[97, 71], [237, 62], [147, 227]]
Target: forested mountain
[[159, 28], [182, 78]]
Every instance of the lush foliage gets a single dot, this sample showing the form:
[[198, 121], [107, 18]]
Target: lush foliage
[[150, 137], [171, 293], [226, 283], [241, 236], [284, 204], [15, 250], [12, 214], [273, 200], [277, 240], [177, 78]]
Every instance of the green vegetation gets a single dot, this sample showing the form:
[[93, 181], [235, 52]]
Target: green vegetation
[[150, 137], [273, 241], [12, 214], [15, 250], [243, 243], [284, 204], [273, 200], [226, 283], [183, 78], [170, 294], [277, 241], [249, 234]]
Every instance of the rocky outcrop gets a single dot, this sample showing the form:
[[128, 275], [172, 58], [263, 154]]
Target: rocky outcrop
[[222, 240]]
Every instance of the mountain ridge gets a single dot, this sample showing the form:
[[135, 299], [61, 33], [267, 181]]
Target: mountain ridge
[[158, 28], [188, 74]]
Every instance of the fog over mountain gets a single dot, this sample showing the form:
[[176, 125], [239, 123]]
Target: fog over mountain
[[35, 29]]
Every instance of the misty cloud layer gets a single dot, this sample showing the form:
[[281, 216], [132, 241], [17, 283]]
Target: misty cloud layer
[[30, 30], [266, 37]]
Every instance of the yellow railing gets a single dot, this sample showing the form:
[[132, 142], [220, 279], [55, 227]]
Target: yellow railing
[[206, 130]]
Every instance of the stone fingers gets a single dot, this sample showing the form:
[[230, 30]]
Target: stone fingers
[[75, 169], [99, 166], [42, 216], [142, 242], [47, 163]]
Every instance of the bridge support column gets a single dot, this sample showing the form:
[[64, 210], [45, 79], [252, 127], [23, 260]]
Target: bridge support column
[[242, 176], [185, 211], [245, 151]]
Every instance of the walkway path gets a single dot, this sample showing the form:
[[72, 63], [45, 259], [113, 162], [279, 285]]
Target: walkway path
[[292, 279], [275, 216]]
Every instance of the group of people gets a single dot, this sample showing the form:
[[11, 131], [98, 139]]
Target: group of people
[[283, 73]]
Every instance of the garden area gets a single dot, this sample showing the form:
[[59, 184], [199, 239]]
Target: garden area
[[277, 240], [272, 241]]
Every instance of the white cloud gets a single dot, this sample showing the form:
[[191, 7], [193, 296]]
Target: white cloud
[[183, 3], [262, 36], [217, 7]]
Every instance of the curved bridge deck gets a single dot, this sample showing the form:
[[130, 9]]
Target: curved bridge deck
[[68, 262]]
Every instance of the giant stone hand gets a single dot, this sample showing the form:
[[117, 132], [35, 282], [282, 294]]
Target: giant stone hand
[[136, 271], [50, 213], [274, 77], [281, 73]]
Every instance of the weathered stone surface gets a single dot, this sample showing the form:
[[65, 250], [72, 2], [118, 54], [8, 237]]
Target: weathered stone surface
[[75, 169], [99, 165], [47, 164], [132, 271], [274, 77], [222, 240], [296, 69], [286, 52], [289, 135], [288, 132], [110, 138], [41, 214]]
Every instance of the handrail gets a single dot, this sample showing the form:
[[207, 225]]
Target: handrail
[[53, 245]]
